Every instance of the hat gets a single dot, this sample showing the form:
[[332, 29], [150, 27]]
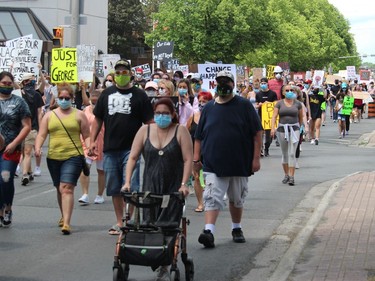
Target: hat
[[225, 73], [27, 76], [139, 70], [189, 74], [124, 63], [196, 76], [151, 84], [264, 79], [308, 81]]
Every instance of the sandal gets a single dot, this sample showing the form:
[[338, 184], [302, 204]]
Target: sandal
[[66, 229], [199, 209], [61, 222], [114, 230]]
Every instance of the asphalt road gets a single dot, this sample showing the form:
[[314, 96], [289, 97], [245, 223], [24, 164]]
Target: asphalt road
[[33, 249]]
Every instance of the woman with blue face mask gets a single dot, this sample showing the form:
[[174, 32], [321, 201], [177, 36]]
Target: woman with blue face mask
[[64, 125], [185, 99], [168, 153], [290, 113]]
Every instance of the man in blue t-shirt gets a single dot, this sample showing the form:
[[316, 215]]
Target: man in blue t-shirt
[[228, 138]]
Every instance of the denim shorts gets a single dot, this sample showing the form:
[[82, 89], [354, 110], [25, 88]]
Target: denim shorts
[[67, 171], [216, 187], [114, 170]]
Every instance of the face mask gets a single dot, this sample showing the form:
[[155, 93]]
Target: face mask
[[122, 80], [138, 76], [150, 92], [356, 81], [256, 91], [316, 91], [264, 87], [201, 106], [162, 92], [64, 104], [6, 90], [278, 76], [156, 80], [196, 86], [32, 83], [306, 86], [290, 95], [224, 90], [176, 79], [163, 120], [182, 92], [108, 84]]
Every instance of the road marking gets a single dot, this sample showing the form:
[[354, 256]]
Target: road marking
[[36, 195]]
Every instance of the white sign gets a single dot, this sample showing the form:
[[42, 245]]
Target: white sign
[[351, 72], [208, 74], [318, 78], [146, 70], [7, 55], [86, 62], [13, 42], [109, 61], [343, 74], [28, 52]]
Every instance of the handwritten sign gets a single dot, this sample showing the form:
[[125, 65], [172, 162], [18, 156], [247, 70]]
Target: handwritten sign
[[350, 70], [86, 62], [64, 65], [99, 71], [208, 74], [269, 72], [330, 79], [348, 104], [163, 50], [7, 55], [267, 112], [146, 70], [109, 61]]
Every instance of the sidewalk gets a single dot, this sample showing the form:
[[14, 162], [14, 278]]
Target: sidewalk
[[342, 247]]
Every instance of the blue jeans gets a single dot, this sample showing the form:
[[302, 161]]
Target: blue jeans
[[114, 170], [67, 171], [7, 171]]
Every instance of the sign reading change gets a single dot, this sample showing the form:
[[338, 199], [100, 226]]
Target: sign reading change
[[64, 65]]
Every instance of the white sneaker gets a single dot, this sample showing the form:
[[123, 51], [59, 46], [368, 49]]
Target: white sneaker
[[99, 199], [312, 141], [297, 165], [84, 199], [37, 172]]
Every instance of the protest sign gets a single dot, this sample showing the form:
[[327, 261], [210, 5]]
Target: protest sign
[[163, 51], [350, 70], [64, 65], [343, 74], [109, 61], [7, 55], [86, 62], [28, 57], [208, 74], [348, 104], [318, 78], [184, 69], [146, 70], [269, 71], [267, 112], [99, 71], [257, 74], [330, 79], [362, 96], [364, 74], [13, 42]]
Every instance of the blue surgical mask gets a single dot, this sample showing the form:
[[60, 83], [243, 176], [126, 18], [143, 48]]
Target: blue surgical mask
[[163, 120], [64, 104], [196, 86], [256, 91], [201, 106], [290, 95], [156, 80], [182, 92], [264, 86]]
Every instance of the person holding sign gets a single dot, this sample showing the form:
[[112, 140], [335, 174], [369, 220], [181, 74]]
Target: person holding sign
[[265, 96], [123, 109], [316, 98], [347, 106], [290, 113]]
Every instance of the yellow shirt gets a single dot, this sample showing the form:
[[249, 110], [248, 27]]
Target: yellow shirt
[[60, 145]]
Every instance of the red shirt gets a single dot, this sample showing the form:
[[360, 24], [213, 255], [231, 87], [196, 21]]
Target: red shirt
[[276, 85]]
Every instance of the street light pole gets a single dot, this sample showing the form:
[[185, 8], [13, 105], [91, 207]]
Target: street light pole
[[74, 22]]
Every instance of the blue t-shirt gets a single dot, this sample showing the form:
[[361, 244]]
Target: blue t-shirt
[[226, 132]]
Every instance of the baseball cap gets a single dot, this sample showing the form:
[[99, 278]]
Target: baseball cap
[[264, 79], [27, 76], [225, 73], [124, 63], [196, 76], [151, 84]]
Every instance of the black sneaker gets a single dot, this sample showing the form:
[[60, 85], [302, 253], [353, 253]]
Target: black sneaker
[[207, 239], [7, 221], [266, 152], [25, 180], [31, 177], [316, 141], [238, 235]]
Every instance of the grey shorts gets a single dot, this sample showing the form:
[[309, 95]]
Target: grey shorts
[[216, 187]]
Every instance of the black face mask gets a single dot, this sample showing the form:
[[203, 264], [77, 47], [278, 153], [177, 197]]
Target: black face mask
[[224, 89], [316, 91]]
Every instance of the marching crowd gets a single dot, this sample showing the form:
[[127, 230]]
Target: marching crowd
[[186, 135]]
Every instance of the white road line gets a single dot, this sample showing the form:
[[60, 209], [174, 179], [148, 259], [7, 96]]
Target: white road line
[[36, 195]]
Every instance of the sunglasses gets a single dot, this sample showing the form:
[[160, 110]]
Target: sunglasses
[[64, 98], [6, 83], [290, 90], [122, 72]]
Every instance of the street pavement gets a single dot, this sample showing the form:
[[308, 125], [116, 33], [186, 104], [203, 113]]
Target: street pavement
[[312, 231]]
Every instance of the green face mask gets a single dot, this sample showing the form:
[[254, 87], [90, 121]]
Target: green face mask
[[122, 80]]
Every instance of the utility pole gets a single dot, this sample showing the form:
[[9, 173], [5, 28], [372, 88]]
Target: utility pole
[[74, 9]]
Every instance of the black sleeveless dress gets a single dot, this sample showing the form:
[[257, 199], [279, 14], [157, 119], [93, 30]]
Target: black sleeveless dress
[[163, 174]]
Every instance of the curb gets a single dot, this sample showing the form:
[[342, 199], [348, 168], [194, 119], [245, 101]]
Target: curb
[[276, 260]]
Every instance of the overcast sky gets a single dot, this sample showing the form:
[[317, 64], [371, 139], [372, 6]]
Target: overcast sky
[[361, 16]]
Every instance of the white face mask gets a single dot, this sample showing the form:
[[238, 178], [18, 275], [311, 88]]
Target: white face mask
[[108, 84], [278, 76], [162, 92]]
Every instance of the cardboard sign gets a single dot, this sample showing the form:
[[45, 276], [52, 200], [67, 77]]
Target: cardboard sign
[[330, 79], [267, 112], [257, 74], [86, 62], [208, 74], [361, 95], [64, 65]]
